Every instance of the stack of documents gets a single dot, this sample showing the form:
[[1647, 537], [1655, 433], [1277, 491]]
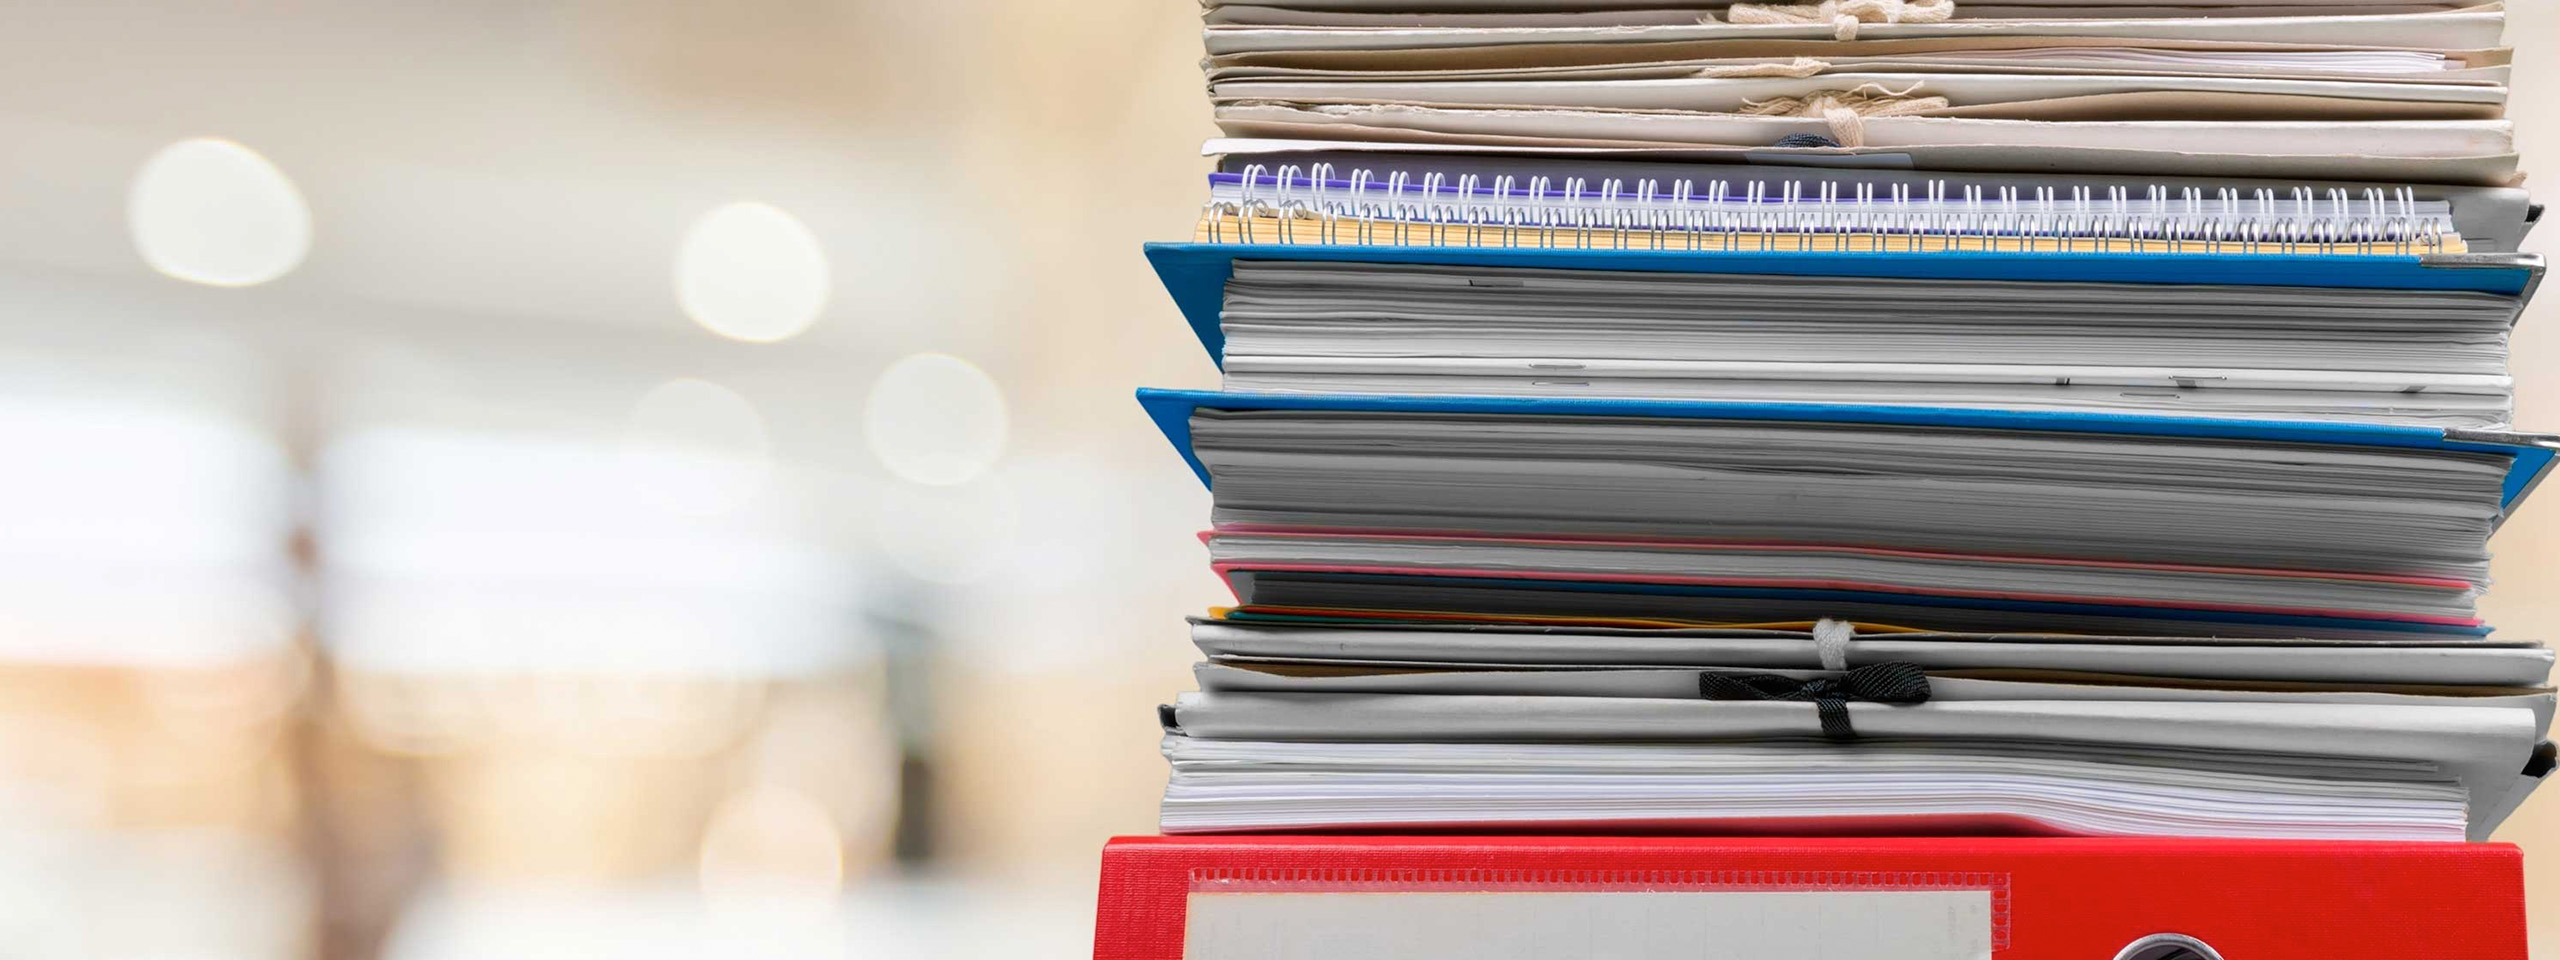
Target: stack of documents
[[2359, 89], [1303, 725], [1959, 520], [2421, 356], [2031, 416]]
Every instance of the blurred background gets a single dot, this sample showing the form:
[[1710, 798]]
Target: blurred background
[[628, 479]]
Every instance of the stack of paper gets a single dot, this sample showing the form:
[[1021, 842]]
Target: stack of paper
[[2048, 416], [1383, 725], [2274, 134], [2266, 624], [2404, 356], [2350, 90]]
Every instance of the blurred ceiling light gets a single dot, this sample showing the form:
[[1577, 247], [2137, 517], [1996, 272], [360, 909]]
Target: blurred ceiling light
[[214, 212], [696, 447], [951, 535], [768, 842], [481, 919], [749, 271], [141, 532], [936, 419], [447, 552]]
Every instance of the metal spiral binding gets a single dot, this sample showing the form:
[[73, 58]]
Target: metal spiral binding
[[1311, 206]]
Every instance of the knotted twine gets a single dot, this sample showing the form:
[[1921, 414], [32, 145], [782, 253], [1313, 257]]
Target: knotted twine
[[1844, 16], [1892, 682], [1846, 110], [1797, 67]]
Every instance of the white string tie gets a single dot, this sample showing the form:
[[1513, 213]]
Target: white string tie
[[1831, 642], [1799, 67], [1846, 110], [1844, 16]]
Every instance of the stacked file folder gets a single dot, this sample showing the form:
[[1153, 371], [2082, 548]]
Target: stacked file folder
[[2045, 417], [2356, 89]]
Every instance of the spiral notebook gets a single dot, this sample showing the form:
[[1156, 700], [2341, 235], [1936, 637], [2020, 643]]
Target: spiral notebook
[[2488, 219], [2081, 294], [1315, 204]]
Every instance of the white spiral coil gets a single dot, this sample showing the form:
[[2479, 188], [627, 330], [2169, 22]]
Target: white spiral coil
[[1310, 205]]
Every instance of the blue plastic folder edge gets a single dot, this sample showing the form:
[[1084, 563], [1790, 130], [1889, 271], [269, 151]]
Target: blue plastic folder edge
[[2529, 457], [1196, 273]]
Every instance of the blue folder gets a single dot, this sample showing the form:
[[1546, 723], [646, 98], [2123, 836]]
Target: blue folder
[[1196, 273], [2528, 456]]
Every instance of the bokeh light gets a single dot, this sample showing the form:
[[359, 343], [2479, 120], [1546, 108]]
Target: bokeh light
[[771, 842], [752, 272], [933, 418], [214, 212], [696, 447]]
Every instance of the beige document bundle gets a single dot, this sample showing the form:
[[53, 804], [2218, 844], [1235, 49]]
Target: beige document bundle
[[2343, 90]]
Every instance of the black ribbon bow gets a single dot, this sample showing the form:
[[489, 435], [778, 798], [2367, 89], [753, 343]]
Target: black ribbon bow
[[1892, 682]]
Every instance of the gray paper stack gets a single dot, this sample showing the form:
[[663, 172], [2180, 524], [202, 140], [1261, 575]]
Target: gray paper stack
[[1880, 416]]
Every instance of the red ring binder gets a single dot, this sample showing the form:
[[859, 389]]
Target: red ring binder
[[2049, 897]]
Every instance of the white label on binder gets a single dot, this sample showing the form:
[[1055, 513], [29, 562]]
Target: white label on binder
[[1624, 925]]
